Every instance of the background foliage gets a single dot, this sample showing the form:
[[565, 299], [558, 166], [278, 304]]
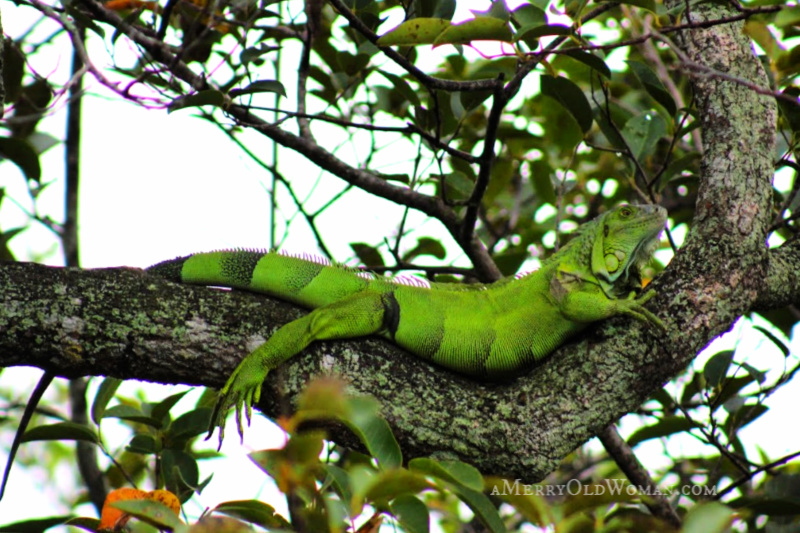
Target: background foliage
[[507, 125]]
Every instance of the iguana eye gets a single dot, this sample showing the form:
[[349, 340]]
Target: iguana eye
[[626, 211]]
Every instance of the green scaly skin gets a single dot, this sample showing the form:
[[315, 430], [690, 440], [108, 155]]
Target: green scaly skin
[[484, 331]]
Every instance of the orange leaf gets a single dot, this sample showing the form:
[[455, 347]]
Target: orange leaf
[[123, 5], [113, 519], [167, 498]]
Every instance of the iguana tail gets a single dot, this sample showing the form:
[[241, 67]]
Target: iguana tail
[[310, 282]]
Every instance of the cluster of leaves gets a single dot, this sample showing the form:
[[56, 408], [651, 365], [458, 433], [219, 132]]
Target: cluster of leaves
[[559, 147], [334, 489]]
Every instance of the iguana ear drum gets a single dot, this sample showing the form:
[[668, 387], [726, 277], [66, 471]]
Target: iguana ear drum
[[612, 263]]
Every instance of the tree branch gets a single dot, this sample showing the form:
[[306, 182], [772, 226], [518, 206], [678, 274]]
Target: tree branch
[[623, 455], [782, 283], [75, 323]]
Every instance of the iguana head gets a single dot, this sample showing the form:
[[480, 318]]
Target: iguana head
[[625, 239]]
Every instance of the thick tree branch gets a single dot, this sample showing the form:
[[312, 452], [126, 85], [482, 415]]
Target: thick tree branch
[[123, 323], [782, 284]]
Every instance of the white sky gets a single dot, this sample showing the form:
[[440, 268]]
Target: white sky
[[155, 186]]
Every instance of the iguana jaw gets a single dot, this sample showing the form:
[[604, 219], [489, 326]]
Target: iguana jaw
[[625, 240]]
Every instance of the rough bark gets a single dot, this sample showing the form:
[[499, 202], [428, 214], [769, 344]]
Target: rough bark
[[125, 324]]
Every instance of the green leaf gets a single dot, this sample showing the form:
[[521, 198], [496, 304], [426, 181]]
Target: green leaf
[[131, 414], [180, 473], [707, 517], [411, 514], [22, 154], [528, 15], [36, 525], [189, 424], [649, 5], [451, 471], [643, 132], [775, 340], [533, 507], [391, 484], [653, 86], [162, 408], [457, 185], [767, 506], [477, 29], [61, 431], [154, 513], [105, 392], [717, 367], [426, 246], [255, 52], [402, 87], [456, 106], [730, 388], [542, 184], [13, 62], [758, 375], [85, 20], [88, 524], [374, 432], [42, 142], [571, 97], [789, 110], [482, 506], [444, 9], [788, 16], [743, 416], [254, 512], [207, 97], [669, 425], [142, 444], [688, 163], [693, 387], [415, 31], [591, 60], [339, 479], [368, 255], [260, 86], [5, 238], [508, 261], [540, 31], [498, 10]]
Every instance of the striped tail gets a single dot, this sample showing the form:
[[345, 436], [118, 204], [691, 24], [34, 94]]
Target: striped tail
[[311, 282]]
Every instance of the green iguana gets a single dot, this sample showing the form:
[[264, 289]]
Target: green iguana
[[485, 331]]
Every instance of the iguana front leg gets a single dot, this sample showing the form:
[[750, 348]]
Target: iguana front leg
[[583, 301], [355, 316]]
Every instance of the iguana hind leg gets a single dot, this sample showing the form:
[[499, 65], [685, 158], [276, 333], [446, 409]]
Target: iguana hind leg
[[355, 316]]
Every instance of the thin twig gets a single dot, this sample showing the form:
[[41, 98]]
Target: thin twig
[[753, 473], [623, 455]]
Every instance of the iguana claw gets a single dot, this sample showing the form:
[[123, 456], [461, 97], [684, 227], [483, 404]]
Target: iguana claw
[[242, 390], [634, 307]]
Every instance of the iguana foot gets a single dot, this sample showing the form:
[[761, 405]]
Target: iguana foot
[[634, 307], [242, 390]]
